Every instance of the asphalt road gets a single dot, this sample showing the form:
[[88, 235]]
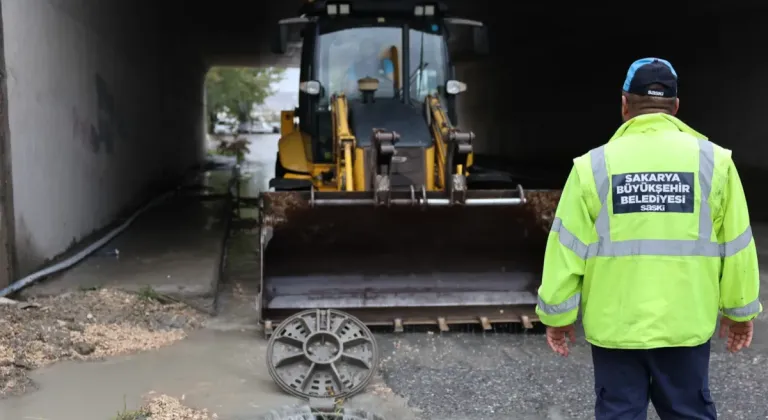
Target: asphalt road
[[516, 376]]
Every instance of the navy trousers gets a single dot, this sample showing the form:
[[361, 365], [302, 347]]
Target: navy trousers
[[674, 379]]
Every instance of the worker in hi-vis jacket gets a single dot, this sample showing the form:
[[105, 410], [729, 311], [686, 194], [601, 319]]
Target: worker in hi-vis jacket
[[652, 241]]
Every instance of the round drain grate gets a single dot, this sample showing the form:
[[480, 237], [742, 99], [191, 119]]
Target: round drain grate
[[322, 353], [306, 413]]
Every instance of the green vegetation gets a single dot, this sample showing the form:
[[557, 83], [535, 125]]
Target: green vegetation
[[131, 415], [237, 148], [126, 414], [235, 90], [148, 294]]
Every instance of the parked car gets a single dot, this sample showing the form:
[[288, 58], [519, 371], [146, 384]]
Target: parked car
[[255, 127], [222, 128], [245, 128], [249, 127], [262, 127]]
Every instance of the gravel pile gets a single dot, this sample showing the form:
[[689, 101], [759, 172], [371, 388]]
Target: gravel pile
[[84, 325], [164, 407]]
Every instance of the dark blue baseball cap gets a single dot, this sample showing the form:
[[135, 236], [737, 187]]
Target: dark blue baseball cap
[[651, 71]]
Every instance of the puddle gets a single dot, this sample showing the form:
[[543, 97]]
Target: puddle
[[224, 372]]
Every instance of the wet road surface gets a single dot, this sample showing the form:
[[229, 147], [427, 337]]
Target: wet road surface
[[451, 376], [516, 376]]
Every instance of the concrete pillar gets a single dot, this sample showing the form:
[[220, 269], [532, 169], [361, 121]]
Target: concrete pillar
[[7, 242]]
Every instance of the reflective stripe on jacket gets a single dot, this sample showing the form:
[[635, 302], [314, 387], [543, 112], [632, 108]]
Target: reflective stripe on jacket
[[651, 237]]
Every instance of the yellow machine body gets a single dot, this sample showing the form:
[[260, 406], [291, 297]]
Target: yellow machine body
[[376, 207]]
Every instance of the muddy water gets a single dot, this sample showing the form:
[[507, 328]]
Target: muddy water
[[222, 371], [260, 166], [222, 368]]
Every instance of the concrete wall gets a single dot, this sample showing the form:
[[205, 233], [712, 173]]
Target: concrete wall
[[736, 92], [732, 96], [93, 123]]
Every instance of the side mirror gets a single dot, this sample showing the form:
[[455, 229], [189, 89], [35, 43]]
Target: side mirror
[[467, 39], [288, 31], [280, 40], [480, 39]]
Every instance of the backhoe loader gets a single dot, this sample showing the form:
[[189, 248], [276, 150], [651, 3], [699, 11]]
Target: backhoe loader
[[375, 208]]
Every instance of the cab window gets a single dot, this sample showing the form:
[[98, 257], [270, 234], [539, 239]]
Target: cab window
[[427, 59], [348, 55]]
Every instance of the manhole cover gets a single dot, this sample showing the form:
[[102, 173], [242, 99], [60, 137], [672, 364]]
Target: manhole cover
[[322, 354], [306, 413]]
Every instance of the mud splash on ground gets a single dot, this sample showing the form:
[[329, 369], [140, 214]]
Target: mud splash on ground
[[84, 325]]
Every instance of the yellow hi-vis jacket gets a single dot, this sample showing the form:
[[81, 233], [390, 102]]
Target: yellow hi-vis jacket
[[652, 238]]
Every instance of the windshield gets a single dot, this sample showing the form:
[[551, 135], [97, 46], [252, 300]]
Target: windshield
[[347, 55], [427, 56], [352, 54]]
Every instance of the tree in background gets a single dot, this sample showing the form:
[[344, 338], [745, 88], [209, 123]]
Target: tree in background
[[273, 116], [235, 90]]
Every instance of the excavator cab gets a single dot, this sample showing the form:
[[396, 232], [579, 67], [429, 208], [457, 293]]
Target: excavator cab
[[402, 49], [370, 210]]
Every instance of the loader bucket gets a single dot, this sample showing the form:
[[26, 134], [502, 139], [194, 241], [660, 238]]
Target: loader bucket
[[401, 265]]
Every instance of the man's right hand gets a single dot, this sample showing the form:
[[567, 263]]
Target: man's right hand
[[557, 338], [739, 333]]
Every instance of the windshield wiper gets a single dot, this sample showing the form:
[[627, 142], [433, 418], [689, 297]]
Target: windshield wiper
[[416, 72], [422, 65], [419, 70]]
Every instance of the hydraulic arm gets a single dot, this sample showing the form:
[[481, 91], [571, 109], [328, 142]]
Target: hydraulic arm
[[454, 151], [344, 143]]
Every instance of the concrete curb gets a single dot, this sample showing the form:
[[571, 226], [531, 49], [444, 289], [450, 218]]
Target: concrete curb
[[220, 275]]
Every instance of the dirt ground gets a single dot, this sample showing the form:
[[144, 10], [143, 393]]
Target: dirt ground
[[85, 325]]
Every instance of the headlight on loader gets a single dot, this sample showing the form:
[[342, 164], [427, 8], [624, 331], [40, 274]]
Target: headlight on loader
[[311, 87], [454, 87]]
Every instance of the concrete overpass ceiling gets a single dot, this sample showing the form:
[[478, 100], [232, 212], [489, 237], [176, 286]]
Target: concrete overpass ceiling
[[229, 32], [237, 32]]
